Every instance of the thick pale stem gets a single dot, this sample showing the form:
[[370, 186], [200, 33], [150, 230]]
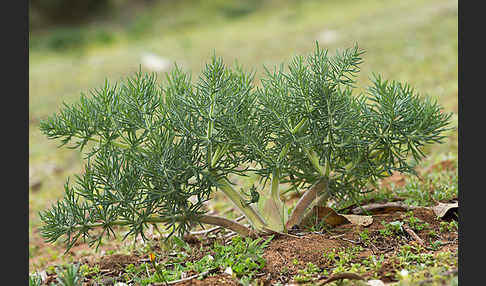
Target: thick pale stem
[[226, 223], [253, 217], [213, 220], [304, 202], [312, 156], [319, 187], [273, 208]]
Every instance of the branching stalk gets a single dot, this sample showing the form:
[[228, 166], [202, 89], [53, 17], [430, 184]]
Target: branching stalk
[[304, 202], [226, 223], [207, 219], [253, 217], [315, 162], [220, 151]]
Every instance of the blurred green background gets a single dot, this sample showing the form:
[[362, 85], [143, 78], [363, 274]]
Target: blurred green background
[[75, 45]]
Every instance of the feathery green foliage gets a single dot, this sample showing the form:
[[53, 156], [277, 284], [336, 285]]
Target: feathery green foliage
[[155, 147]]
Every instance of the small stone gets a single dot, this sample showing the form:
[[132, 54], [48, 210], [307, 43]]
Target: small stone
[[228, 270], [376, 283]]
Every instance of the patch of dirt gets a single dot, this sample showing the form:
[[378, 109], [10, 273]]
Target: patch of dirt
[[219, 279], [282, 251], [286, 254], [117, 262], [43, 254]]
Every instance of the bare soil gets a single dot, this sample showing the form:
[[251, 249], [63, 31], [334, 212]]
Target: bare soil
[[282, 251], [220, 279], [287, 254]]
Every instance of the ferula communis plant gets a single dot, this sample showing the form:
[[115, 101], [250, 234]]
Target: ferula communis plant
[[152, 147]]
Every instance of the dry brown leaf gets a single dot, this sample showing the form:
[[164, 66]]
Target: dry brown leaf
[[363, 220], [441, 209], [332, 218], [326, 214]]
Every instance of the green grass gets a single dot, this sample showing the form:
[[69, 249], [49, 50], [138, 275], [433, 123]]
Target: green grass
[[414, 41]]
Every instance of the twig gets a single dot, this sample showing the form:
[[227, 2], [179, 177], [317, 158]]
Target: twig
[[413, 235], [337, 236], [374, 248], [339, 276], [107, 271], [230, 234], [381, 206], [352, 241]]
